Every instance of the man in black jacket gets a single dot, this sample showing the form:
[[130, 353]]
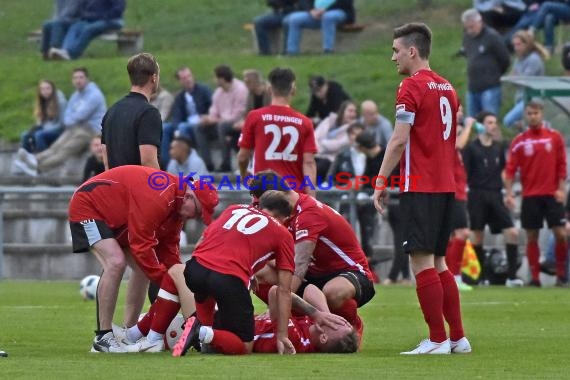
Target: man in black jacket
[[326, 97], [487, 60]]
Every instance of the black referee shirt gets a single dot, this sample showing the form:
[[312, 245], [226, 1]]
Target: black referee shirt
[[484, 165]]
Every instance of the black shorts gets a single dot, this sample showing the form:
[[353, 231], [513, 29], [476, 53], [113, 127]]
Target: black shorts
[[426, 221], [486, 207], [535, 209], [235, 308], [362, 284], [459, 218], [88, 232]]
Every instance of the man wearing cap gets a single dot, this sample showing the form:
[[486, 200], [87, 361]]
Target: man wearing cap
[[133, 214], [326, 97]]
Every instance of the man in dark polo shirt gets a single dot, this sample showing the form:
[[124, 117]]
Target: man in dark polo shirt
[[132, 128], [131, 135]]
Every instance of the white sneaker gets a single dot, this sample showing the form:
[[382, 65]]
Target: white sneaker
[[107, 343], [426, 346], [514, 283], [55, 53], [144, 345], [460, 346], [28, 158], [21, 166], [121, 335]]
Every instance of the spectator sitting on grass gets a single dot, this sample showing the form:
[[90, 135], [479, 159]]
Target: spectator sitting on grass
[[53, 31], [162, 99]]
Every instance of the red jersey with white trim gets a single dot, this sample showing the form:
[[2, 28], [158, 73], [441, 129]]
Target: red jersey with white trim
[[265, 340], [279, 136], [241, 240], [337, 248], [429, 104], [460, 176], [123, 198], [540, 154]]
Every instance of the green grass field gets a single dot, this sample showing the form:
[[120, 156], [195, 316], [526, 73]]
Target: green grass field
[[516, 333]]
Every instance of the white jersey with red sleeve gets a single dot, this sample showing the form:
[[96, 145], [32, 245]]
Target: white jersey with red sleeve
[[429, 104], [279, 136], [337, 248], [241, 240], [265, 340]]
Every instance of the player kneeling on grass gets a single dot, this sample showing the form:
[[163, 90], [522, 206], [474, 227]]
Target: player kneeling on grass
[[121, 218], [327, 252]]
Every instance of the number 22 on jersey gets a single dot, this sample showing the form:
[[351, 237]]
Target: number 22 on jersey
[[287, 154]]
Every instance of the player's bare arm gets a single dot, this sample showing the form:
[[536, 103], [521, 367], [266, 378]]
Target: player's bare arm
[[149, 156], [303, 257], [394, 151], [560, 194], [284, 345], [243, 157], [310, 170], [321, 318], [509, 195]]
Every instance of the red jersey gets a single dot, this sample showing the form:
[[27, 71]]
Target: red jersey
[[429, 104], [123, 199], [460, 176], [337, 248], [241, 240], [265, 340], [279, 136], [541, 156]]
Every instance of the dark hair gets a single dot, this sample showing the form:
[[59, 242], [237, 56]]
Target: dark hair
[[266, 180], [141, 68], [82, 69], [348, 344], [316, 82], [184, 140], [481, 116], [415, 34], [181, 68], [277, 202], [366, 139], [224, 72], [281, 80]]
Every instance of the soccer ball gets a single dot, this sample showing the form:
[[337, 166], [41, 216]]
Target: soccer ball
[[88, 287]]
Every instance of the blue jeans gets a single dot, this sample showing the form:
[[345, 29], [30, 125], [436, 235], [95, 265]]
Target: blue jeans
[[524, 22], [168, 131], [549, 14], [487, 100], [265, 24], [297, 20], [81, 33], [53, 33], [38, 139], [514, 115]]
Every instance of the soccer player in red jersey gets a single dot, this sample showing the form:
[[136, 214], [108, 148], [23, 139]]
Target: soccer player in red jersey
[[327, 252], [122, 219], [540, 155], [280, 138], [306, 332], [424, 143], [238, 243]]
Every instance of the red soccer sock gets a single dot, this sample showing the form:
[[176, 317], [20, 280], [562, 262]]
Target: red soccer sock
[[348, 311], [205, 311], [166, 305], [228, 343], [561, 252], [262, 292], [454, 255], [451, 305], [430, 295], [533, 255]]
